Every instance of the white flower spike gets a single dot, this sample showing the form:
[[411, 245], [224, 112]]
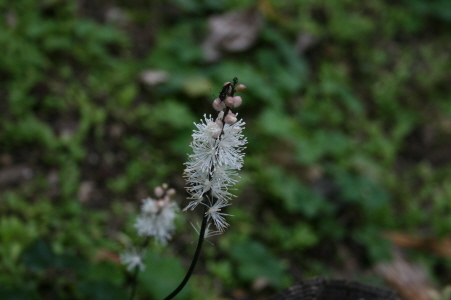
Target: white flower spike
[[218, 147], [211, 170]]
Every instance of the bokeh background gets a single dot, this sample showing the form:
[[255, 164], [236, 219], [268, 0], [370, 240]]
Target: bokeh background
[[347, 172]]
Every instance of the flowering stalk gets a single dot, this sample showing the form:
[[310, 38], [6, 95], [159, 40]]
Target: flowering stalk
[[137, 268], [155, 220], [212, 168]]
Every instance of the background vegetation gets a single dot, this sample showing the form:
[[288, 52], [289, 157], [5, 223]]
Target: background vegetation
[[348, 115]]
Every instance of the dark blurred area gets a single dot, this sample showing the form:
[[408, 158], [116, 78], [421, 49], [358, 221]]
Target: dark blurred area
[[347, 171]]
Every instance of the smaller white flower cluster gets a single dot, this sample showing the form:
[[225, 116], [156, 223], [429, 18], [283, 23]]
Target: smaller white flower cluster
[[155, 220], [157, 215], [217, 156]]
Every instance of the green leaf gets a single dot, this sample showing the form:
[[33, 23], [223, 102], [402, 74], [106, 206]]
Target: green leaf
[[276, 123], [293, 238], [23, 292], [377, 251], [101, 290], [102, 271], [253, 260], [361, 190], [162, 275], [295, 196], [39, 256]]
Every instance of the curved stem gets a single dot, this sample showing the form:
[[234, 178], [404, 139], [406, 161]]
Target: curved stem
[[135, 274], [195, 258], [135, 283]]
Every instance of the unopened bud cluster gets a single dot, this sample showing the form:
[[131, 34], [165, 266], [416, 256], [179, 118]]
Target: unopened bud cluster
[[217, 146], [229, 102]]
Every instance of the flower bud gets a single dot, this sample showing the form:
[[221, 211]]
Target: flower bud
[[165, 201], [159, 192], [230, 118], [237, 101], [240, 88], [220, 115], [218, 104], [226, 83], [171, 192], [161, 203], [229, 101], [165, 186]]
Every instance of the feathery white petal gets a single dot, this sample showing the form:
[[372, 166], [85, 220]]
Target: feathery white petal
[[132, 257], [214, 213]]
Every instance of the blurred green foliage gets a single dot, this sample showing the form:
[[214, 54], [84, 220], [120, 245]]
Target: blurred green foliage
[[349, 137]]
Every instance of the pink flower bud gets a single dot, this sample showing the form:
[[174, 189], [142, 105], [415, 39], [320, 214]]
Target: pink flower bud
[[230, 118], [220, 115], [171, 192], [219, 122], [229, 101], [161, 203], [159, 192], [218, 104], [237, 101], [166, 200], [240, 88]]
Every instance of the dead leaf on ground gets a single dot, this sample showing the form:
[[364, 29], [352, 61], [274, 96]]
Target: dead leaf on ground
[[235, 31], [408, 279], [438, 246], [107, 255]]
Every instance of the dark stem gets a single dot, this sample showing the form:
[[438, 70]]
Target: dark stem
[[195, 258], [135, 274], [223, 95]]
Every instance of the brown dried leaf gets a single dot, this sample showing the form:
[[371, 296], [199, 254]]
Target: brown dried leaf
[[107, 255], [438, 246], [231, 32], [408, 279]]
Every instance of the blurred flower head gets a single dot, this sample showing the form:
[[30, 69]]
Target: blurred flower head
[[157, 216]]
